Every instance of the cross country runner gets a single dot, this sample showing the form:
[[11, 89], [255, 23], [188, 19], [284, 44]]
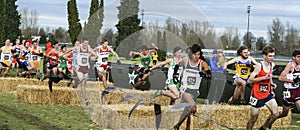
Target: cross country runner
[[261, 93], [243, 64], [173, 82], [103, 52]]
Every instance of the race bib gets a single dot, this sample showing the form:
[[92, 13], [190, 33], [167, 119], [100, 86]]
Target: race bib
[[263, 88], [286, 94], [6, 57], [244, 71], [191, 80], [34, 58], [104, 59], [84, 60], [253, 100], [26, 58]]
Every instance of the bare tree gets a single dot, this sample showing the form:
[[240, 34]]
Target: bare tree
[[291, 38], [276, 34], [29, 21]]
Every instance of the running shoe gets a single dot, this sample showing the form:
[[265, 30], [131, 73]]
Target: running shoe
[[87, 102]]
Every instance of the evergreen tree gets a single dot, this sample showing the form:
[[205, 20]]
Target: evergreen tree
[[43, 39], [128, 24], [94, 24], [2, 14], [73, 19], [12, 21]]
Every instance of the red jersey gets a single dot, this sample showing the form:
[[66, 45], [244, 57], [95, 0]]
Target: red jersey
[[262, 89], [48, 47], [54, 61], [69, 63]]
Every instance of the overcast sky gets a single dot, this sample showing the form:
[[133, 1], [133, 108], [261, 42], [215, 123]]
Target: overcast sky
[[221, 13]]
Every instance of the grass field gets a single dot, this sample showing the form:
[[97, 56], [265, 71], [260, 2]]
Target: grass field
[[16, 116]]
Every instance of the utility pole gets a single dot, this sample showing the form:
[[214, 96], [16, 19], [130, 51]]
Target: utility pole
[[248, 11], [142, 13]]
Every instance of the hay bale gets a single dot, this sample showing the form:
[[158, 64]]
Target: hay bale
[[236, 116], [10, 84], [34, 94], [116, 96], [115, 116]]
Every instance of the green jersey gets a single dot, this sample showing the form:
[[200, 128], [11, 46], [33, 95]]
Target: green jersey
[[145, 61]]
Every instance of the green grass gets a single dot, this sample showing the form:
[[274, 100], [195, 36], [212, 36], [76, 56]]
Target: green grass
[[16, 116]]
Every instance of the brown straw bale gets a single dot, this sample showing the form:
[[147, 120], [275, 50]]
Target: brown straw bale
[[41, 95]]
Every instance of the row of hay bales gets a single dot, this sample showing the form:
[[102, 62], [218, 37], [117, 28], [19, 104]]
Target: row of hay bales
[[114, 115], [10, 85]]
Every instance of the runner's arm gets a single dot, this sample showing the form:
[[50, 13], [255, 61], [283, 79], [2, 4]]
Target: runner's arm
[[205, 66], [234, 60], [71, 49], [93, 52], [168, 61], [155, 48], [134, 53], [48, 55], [283, 74], [253, 60], [273, 85], [96, 48], [253, 78], [112, 51]]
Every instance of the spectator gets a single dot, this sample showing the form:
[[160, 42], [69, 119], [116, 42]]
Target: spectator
[[221, 59], [214, 62], [154, 58]]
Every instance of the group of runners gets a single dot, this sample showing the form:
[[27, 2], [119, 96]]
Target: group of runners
[[183, 78], [262, 90], [24, 57], [185, 75]]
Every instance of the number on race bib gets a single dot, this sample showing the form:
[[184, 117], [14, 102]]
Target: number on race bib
[[244, 71], [253, 101], [191, 80], [84, 60], [26, 58], [104, 59], [286, 94], [263, 88], [34, 58], [6, 57]]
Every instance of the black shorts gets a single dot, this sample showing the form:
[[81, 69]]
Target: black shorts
[[51, 66], [262, 102], [194, 92]]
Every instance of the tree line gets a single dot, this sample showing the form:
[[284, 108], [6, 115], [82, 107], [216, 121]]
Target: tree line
[[282, 36]]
